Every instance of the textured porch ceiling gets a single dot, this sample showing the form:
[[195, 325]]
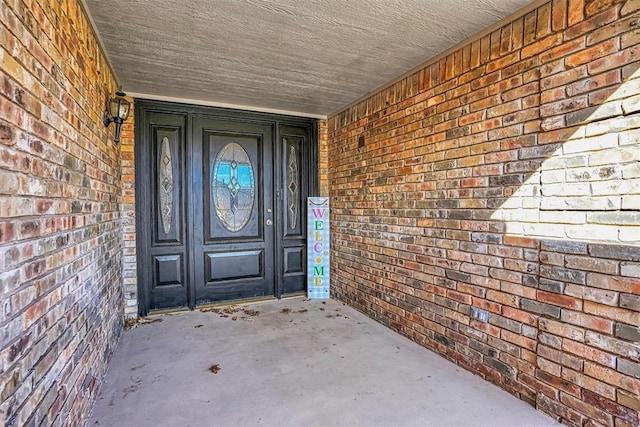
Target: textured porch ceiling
[[307, 57]]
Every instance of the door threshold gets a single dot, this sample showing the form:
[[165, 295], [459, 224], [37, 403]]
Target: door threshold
[[294, 295], [164, 311], [235, 302], [255, 300]]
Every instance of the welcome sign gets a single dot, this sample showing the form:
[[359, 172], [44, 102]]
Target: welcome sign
[[318, 247]]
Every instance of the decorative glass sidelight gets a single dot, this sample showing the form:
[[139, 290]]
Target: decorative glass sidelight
[[293, 186], [166, 185], [233, 186]]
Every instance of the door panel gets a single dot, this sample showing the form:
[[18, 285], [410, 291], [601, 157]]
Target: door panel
[[294, 189], [233, 210], [293, 260], [169, 270], [232, 186], [167, 155], [168, 250], [234, 265]]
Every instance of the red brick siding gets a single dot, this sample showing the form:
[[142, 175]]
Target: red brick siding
[[128, 212], [323, 158], [60, 227], [504, 176]]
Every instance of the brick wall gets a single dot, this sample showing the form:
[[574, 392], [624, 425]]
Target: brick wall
[[504, 176], [323, 159], [60, 231], [128, 212]]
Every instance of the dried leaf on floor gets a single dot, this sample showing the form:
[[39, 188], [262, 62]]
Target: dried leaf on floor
[[285, 310], [222, 311], [304, 310], [215, 368], [230, 309], [250, 312], [134, 323], [234, 318], [199, 326]]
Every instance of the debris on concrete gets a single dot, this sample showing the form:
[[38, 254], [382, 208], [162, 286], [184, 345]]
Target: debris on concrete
[[134, 323], [285, 310], [227, 311], [231, 309], [215, 368], [304, 310], [199, 326], [250, 312]]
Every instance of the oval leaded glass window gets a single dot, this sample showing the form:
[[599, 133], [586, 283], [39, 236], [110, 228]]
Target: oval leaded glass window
[[233, 186]]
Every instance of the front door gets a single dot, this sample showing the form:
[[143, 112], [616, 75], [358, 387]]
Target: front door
[[232, 190], [221, 203]]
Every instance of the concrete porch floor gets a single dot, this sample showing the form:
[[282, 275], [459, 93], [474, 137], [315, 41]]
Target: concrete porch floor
[[296, 363]]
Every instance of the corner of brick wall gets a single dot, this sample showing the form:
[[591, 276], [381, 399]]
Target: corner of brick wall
[[128, 212], [323, 158], [505, 177], [60, 215]]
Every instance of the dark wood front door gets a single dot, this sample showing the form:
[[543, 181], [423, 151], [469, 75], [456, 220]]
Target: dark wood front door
[[221, 204], [232, 185]]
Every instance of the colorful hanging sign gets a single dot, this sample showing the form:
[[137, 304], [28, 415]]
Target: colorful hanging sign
[[318, 247]]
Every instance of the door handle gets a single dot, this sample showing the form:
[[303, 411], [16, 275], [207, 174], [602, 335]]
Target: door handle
[[269, 222]]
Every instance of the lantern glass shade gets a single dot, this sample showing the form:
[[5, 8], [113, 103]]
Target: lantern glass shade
[[119, 107]]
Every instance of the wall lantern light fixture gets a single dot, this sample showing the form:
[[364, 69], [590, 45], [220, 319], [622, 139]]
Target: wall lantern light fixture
[[117, 112]]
